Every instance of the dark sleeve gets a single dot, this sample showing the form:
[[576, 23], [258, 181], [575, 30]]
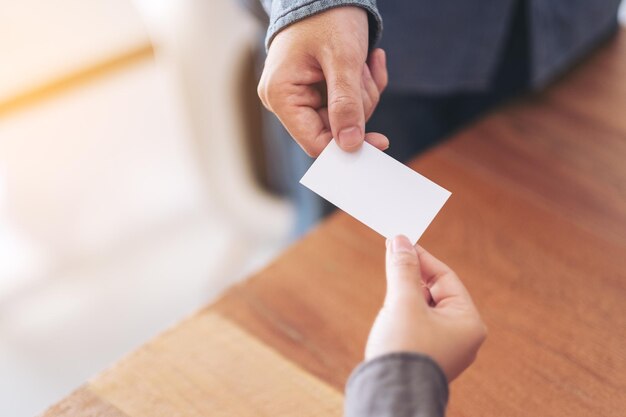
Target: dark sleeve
[[397, 385], [285, 12]]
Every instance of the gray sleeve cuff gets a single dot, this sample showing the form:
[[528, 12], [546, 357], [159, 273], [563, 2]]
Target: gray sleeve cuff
[[397, 385], [286, 12]]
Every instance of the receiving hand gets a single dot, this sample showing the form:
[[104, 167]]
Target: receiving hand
[[427, 310], [320, 83]]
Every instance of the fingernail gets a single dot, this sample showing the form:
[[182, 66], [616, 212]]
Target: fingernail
[[350, 137], [401, 244]]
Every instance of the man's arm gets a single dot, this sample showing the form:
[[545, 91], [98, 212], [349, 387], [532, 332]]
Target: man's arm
[[321, 78]]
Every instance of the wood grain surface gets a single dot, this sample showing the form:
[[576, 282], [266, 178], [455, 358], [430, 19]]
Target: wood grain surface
[[536, 228], [206, 366]]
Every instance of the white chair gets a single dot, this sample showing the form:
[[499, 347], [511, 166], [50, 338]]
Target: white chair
[[204, 44]]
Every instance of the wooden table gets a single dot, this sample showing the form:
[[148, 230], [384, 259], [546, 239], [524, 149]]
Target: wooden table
[[536, 227]]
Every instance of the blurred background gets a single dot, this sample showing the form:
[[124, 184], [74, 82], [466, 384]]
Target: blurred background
[[131, 180]]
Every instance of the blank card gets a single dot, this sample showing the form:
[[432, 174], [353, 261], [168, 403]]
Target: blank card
[[377, 190]]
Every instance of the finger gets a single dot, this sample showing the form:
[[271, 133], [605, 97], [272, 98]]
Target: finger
[[261, 90], [403, 272], [345, 103], [369, 92], [323, 112], [378, 140], [296, 107], [443, 284], [277, 88], [307, 127], [368, 106], [377, 63]]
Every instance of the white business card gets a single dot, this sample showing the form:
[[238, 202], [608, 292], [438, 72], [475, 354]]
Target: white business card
[[377, 190]]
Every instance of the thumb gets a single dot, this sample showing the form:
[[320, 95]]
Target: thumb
[[345, 104], [404, 279]]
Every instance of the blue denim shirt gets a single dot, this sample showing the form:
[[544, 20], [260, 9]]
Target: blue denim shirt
[[449, 46]]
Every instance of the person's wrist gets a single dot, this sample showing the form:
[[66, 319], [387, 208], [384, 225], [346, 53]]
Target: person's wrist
[[281, 19]]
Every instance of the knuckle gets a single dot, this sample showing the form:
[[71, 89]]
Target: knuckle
[[404, 259], [342, 104], [271, 89], [293, 97], [479, 330], [472, 357], [385, 81], [272, 93], [309, 150], [375, 98], [311, 145], [260, 90], [484, 331], [316, 145], [348, 58]]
